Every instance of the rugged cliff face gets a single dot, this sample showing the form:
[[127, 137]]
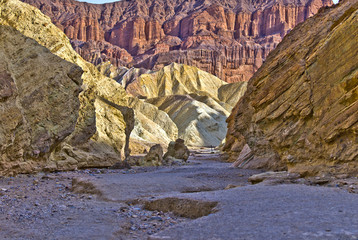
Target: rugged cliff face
[[38, 102], [93, 142], [301, 108], [229, 38]]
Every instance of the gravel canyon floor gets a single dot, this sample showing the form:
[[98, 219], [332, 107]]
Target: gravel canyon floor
[[205, 199]]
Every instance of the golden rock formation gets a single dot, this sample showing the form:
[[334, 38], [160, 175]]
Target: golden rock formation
[[100, 93], [38, 102], [198, 124], [175, 79], [190, 97], [108, 114]]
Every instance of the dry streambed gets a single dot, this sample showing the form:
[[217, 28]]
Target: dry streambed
[[202, 200]]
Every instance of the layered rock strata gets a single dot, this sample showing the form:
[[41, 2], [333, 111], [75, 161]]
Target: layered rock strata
[[107, 114], [300, 111], [229, 38]]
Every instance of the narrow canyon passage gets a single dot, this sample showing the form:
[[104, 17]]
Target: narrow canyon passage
[[206, 199], [107, 112]]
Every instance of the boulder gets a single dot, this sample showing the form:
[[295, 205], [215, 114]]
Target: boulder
[[155, 156], [274, 177], [244, 158], [177, 150], [152, 158]]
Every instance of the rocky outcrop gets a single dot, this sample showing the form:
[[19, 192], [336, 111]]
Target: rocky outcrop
[[300, 111], [174, 79], [177, 150], [245, 158], [198, 124], [154, 156], [104, 103], [98, 52], [231, 93], [229, 38], [177, 100], [152, 125], [109, 70], [38, 102], [179, 95]]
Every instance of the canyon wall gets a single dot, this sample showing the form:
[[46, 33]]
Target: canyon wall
[[93, 142], [300, 111], [48, 124], [229, 38], [38, 102]]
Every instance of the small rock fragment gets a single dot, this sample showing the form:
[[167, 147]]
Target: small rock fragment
[[284, 175]]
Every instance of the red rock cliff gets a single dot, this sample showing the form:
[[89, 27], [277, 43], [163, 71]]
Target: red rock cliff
[[228, 38]]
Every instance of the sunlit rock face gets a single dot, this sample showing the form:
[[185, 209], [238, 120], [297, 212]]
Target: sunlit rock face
[[38, 102], [229, 38], [300, 111], [196, 103], [198, 124], [104, 120]]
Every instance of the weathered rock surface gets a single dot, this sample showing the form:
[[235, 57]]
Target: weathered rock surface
[[151, 124], [198, 124], [103, 101], [229, 39], [174, 79], [273, 176], [38, 102], [245, 158], [231, 93], [101, 134], [109, 70], [300, 111], [98, 52], [197, 116], [177, 150], [188, 96], [154, 156]]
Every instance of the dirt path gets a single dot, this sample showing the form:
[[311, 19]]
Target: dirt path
[[213, 200]]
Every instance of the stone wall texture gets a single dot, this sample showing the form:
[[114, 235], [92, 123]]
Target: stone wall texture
[[38, 102], [300, 111]]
